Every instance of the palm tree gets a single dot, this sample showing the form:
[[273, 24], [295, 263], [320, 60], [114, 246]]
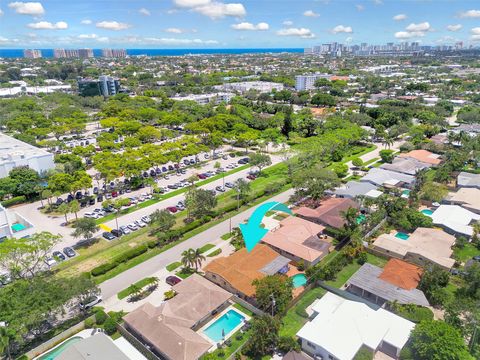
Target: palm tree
[[64, 209], [134, 291], [198, 257], [74, 207], [188, 258]]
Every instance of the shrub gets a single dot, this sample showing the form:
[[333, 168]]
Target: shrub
[[110, 326], [301, 312], [288, 343], [362, 258], [340, 169], [100, 317], [215, 253], [103, 269], [386, 155], [130, 254], [301, 265], [363, 354], [357, 162], [152, 244], [169, 294], [14, 201], [89, 323]]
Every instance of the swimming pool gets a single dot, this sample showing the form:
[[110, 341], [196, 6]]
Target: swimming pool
[[361, 218], [299, 280], [427, 212], [402, 236], [52, 354], [224, 325]]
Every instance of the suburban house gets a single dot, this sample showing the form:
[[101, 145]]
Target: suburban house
[[468, 198], [341, 327], [388, 178], [96, 347], [455, 219], [404, 165], [170, 328], [423, 246], [397, 281], [353, 189], [299, 240], [468, 180], [237, 271], [329, 213], [423, 156]]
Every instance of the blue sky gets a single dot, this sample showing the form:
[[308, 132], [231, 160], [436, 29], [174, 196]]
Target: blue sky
[[234, 23]]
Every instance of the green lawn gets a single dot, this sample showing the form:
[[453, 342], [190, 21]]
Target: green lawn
[[292, 321], [371, 161], [237, 340], [206, 247], [466, 253], [141, 283], [215, 253], [243, 309], [173, 266], [226, 236]]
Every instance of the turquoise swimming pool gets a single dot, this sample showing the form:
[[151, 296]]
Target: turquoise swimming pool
[[52, 354], [299, 280], [224, 325], [427, 212], [402, 236]]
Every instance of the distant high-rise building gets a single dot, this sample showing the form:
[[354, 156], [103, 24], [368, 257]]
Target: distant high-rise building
[[59, 53], [104, 86], [114, 53], [85, 53], [459, 45], [32, 54], [65, 53], [307, 82]]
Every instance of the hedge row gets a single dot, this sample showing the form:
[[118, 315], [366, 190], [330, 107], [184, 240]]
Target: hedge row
[[127, 255], [14, 201]]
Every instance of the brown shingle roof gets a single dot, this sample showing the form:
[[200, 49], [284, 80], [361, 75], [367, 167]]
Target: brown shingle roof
[[242, 267], [423, 156], [329, 211], [401, 274]]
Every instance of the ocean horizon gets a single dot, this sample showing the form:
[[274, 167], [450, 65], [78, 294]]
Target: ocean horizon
[[48, 53]]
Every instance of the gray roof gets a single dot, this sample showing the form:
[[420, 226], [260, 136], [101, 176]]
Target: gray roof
[[407, 166], [353, 189], [276, 265], [468, 128], [466, 179], [96, 347], [379, 177], [367, 278]]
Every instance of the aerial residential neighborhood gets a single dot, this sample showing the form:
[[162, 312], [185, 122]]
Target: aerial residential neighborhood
[[206, 180]]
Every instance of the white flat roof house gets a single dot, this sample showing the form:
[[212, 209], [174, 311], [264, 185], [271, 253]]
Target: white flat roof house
[[342, 327], [455, 219], [12, 225], [15, 153]]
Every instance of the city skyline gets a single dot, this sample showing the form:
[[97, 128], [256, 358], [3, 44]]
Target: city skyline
[[242, 24]]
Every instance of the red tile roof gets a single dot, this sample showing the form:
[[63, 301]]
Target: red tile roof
[[401, 274]]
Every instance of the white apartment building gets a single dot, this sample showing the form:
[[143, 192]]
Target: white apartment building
[[204, 99], [13, 225], [307, 82], [15, 153], [244, 86]]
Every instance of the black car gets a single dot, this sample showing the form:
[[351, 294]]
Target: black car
[[69, 251], [170, 167], [100, 198], [145, 174], [59, 201], [83, 204], [116, 233], [57, 255], [91, 201], [232, 155], [164, 169], [192, 161], [158, 171], [95, 190], [108, 235], [69, 198], [78, 195], [152, 173], [186, 162], [109, 209]]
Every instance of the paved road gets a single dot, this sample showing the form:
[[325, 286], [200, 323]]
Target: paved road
[[111, 287]]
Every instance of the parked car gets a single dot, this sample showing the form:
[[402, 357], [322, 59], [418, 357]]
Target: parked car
[[201, 176], [100, 212], [92, 215], [90, 302], [251, 177], [172, 209], [95, 190], [220, 188], [69, 251], [125, 229], [146, 219], [164, 169], [108, 235], [50, 262], [172, 280], [225, 157], [91, 201], [140, 223], [132, 227], [57, 255], [116, 233], [229, 185], [114, 194]]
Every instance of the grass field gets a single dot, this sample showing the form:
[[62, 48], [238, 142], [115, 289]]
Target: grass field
[[140, 284], [466, 253], [173, 266]]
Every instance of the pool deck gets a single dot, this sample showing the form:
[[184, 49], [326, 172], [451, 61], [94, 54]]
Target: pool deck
[[215, 318], [83, 334], [292, 271]]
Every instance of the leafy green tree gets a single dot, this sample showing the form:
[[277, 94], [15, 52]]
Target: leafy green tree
[[305, 123], [340, 169], [242, 188], [273, 293], [74, 207], [163, 220], [314, 181], [260, 160], [436, 340], [27, 180], [386, 155], [85, 227], [200, 202], [263, 337], [433, 282], [320, 99]]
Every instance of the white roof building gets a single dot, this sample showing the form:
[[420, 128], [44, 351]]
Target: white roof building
[[15, 153], [342, 327], [455, 219], [12, 225]]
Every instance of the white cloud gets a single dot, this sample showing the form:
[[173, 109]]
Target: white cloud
[[27, 8], [262, 26], [311, 13], [455, 27], [349, 39], [475, 34], [174, 30], [408, 34], [378, 2], [1, 12], [360, 7], [399, 17], [216, 10], [46, 25], [300, 32], [191, 3], [470, 14], [424, 26], [175, 41], [86, 22], [288, 23], [112, 25], [342, 29], [87, 36], [144, 11]]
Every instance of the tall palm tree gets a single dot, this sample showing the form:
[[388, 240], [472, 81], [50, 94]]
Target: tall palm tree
[[188, 258], [198, 258]]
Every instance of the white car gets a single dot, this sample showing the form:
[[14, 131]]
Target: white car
[[140, 223], [125, 229], [91, 215], [146, 219], [90, 301], [50, 262], [132, 226], [100, 212]]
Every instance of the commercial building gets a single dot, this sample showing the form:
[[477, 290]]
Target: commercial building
[[114, 53], [104, 86], [307, 82], [32, 54], [15, 153], [204, 99], [13, 225], [341, 327], [244, 86]]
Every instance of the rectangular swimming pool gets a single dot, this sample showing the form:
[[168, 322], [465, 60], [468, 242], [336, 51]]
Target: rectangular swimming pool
[[224, 325], [402, 236]]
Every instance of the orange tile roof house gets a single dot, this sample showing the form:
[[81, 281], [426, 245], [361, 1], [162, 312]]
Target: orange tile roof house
[[423, 156], [397, 281], [169, 329], [237, 271], [298, 239], [329, 213]]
